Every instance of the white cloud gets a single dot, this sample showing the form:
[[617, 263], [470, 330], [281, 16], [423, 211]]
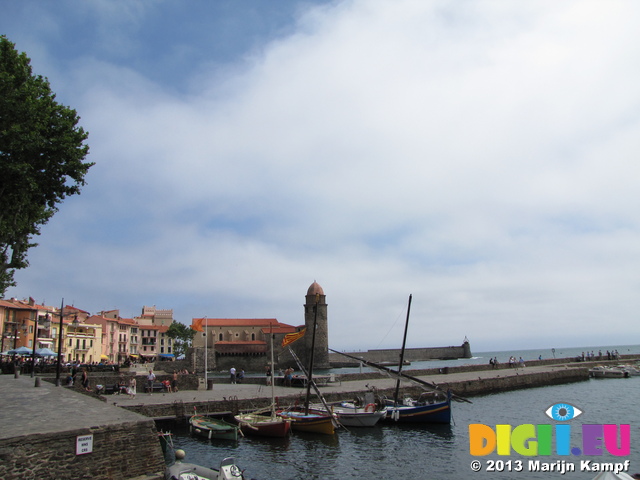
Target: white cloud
[[477, 155]]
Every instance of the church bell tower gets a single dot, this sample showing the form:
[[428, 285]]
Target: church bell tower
[[315, 310]]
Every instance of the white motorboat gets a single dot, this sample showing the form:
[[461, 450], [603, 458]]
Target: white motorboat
[[630, 369], [607, 372], [190, 471], [351, 415]]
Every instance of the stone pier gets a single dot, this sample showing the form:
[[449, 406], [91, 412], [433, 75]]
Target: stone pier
[[50, 432]]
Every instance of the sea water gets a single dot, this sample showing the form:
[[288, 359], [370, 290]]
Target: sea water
[[443, 452]]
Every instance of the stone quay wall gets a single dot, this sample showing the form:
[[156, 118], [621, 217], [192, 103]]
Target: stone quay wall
[[120, 451], [410, 355], [463, 388]]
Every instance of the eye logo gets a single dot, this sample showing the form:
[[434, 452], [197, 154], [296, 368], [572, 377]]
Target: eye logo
[[562, 412]]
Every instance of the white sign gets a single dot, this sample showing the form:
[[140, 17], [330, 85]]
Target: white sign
[[84, 444]]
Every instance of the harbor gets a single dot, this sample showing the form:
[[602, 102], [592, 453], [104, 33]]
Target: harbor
[[117, 424]]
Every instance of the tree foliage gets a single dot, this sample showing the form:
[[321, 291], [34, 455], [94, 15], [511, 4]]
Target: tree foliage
[[182, 337], [42, 154]]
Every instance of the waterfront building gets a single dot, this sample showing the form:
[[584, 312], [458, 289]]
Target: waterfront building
[[155, 344], [17, 320], [114, 335], [155, 316], [234, 342], [82, 342]]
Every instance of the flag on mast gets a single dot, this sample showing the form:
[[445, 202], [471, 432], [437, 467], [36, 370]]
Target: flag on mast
[[292, 337], [197, 324]]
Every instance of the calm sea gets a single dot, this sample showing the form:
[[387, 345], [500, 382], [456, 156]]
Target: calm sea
[[440, 452]]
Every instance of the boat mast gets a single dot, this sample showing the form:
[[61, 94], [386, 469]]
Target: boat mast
[[313, 348], [273, 399], [404, 342]]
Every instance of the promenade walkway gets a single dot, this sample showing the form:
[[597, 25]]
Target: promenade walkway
[[225, 391]]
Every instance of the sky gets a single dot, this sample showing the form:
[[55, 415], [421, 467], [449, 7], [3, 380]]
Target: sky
[[478, 155]]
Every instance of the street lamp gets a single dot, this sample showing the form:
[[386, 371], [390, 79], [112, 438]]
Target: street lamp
[[75, 324], [59, 345], [46, 323]]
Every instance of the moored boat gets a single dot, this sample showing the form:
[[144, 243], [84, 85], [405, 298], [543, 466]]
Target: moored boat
[[190, 471], [351, 415], [262, 425], [255, 423], [630, 369], [363, 411], [309, 421], [607, 372], [212, 428], [429, 408]]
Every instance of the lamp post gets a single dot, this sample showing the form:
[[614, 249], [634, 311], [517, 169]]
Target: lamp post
[[46, 323], [15, 339], [206, 340], [59, 345], [75, 324], [33, 351]]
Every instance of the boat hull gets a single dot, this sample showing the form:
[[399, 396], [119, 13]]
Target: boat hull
[[212, 429], [313, 422], [350, 415], [262, 426], [434, 413], [608, 372], [360, 419]]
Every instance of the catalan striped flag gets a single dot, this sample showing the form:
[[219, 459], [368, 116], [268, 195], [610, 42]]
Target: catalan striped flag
[[197, 325], [292, 337]]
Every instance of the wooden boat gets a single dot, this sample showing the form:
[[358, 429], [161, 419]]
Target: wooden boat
[[254, 423], [429, 408], [306, 419], [363, 411], [309, 420], [351, 415], [212, 428], [258, 423]]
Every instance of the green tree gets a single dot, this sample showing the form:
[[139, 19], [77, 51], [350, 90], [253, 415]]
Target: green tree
[[182, 337], [42, 154]]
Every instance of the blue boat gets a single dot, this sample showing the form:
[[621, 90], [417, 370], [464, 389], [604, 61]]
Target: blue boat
[[428, 408], [431, 407]]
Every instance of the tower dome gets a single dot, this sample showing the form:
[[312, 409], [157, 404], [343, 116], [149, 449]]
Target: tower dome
[[315, 289]]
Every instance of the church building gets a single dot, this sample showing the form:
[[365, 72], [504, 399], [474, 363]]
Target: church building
[[245, 343]]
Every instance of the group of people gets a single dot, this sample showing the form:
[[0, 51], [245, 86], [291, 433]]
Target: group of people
[[611, 355], [235, 376], [169, 386], [513, 363]]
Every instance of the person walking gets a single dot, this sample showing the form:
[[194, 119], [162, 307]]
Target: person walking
[[85, 379], [132, 387], [232, 374], [174, 382]]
